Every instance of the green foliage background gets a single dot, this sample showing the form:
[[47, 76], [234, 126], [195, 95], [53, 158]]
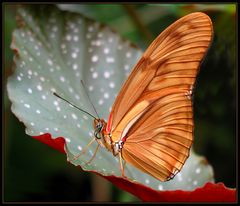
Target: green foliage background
[[35, 172]]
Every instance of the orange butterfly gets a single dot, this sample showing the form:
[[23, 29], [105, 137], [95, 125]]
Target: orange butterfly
[[151, 122]]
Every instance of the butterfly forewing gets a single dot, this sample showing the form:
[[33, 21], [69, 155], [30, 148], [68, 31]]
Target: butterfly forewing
[[153, 111]]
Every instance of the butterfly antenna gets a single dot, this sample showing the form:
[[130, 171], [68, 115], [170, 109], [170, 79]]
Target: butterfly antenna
[[89, 98], [73, 105]]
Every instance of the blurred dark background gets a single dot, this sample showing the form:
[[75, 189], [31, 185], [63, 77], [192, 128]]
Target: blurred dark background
[[35, 172]]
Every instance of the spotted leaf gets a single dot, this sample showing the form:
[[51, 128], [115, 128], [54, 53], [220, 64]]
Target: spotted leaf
[[54, 51]]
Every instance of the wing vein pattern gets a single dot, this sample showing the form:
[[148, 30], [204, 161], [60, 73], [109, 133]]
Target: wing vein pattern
[[157, 98]]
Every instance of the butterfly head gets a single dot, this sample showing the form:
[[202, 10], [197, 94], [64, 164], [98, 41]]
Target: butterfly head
[[101, 135], [99, 127]]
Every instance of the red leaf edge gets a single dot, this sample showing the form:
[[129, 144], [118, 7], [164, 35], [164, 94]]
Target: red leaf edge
[[57, 143], [210, 192]]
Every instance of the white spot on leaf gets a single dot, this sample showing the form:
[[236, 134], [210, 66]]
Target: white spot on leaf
[[29, 90], [179, 177], [68, 37], [62, 79], [42, 79], [106, 74], [39, 87], [49, 61], [106, 95], [30, 72], [63, 46], [74, 55], [160, 187], [111, 85], [119, 47], [126, 67], [75, 66], [70, 89], [198, 170], [100, 102], [94, 75], [75, 38], [110, 60], [106, 50], [128, 54], [77, 96], [94, 58], [90, 28], [27, 105], [74, 116], [55, 103], [90, 88]]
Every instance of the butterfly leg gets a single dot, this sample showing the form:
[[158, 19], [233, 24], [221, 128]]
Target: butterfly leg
[[93, 155], [121, 165], [84, 150], [124, 164]]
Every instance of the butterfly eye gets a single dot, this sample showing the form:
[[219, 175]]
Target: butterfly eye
[[99, 125], [98, 134]]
